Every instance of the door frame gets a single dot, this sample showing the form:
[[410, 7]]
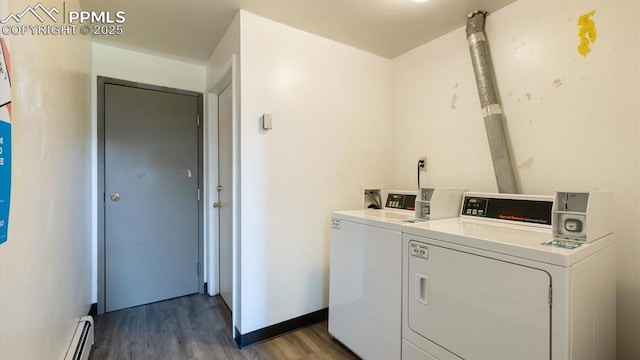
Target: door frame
[[101, 197], [228, 77]]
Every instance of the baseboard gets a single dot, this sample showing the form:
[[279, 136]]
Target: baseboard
[[93, 311], [282, 328]]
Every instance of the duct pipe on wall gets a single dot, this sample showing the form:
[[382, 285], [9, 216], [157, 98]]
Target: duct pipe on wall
[[491, 109]]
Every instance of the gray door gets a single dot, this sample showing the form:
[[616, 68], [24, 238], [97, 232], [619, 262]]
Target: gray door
[[151, 196], [225, 180]]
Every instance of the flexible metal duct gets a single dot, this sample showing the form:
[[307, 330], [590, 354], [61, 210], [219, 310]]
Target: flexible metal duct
[[491, 109]]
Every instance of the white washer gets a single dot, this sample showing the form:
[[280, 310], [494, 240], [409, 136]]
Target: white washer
[[484, 286], [365, 307], [365, 279]]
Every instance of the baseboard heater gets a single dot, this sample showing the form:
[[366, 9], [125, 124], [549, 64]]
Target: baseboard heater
[[82, 340]]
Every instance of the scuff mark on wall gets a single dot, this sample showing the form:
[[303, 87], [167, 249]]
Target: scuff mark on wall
[[454, 98], [587, 33], [518, 97], [527, 164], [511, 93], [557, 82], [518, 41]]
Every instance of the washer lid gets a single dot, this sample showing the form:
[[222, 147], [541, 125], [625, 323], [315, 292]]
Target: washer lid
[[388, 219]]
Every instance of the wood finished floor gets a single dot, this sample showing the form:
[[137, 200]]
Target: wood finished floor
[[193, 328]]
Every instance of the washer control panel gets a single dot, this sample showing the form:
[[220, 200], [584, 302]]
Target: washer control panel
[[475, 206], [401, 201], [516, 209]]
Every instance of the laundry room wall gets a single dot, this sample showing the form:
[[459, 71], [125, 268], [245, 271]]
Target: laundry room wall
[[227, 47], [45, 266], [572, 120], [140, 67], [330, 107]]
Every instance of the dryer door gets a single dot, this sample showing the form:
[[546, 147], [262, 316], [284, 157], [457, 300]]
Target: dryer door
[[477, 307]]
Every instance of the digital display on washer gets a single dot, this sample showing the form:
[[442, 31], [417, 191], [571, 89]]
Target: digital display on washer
[[401, 201], [529, 211]]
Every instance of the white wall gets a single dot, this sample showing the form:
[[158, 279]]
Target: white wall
[[572, 121], [45, 284], [331, 111], [149, 69], [229, 45], [129, 65]]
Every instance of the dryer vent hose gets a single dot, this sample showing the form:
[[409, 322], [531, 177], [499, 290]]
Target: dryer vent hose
[[491, 109]]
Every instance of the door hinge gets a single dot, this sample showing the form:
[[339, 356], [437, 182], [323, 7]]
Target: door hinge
[[198, 194], [198, 120], [198, 268], [104, 196], [550, 296]]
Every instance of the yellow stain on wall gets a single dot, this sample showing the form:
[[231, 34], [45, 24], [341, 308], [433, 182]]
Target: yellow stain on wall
[[587, 33]]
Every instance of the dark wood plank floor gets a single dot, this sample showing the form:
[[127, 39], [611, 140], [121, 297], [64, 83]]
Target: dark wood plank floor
[[193, 327]]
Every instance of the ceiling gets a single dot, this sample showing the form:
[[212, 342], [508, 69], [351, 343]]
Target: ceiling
[[190, 30]]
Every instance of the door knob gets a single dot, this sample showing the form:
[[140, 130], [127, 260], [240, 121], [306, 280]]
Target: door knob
[[217, 205], [115, 197]]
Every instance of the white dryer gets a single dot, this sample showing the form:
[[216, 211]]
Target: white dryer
[[366, 275], [493, 284]]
